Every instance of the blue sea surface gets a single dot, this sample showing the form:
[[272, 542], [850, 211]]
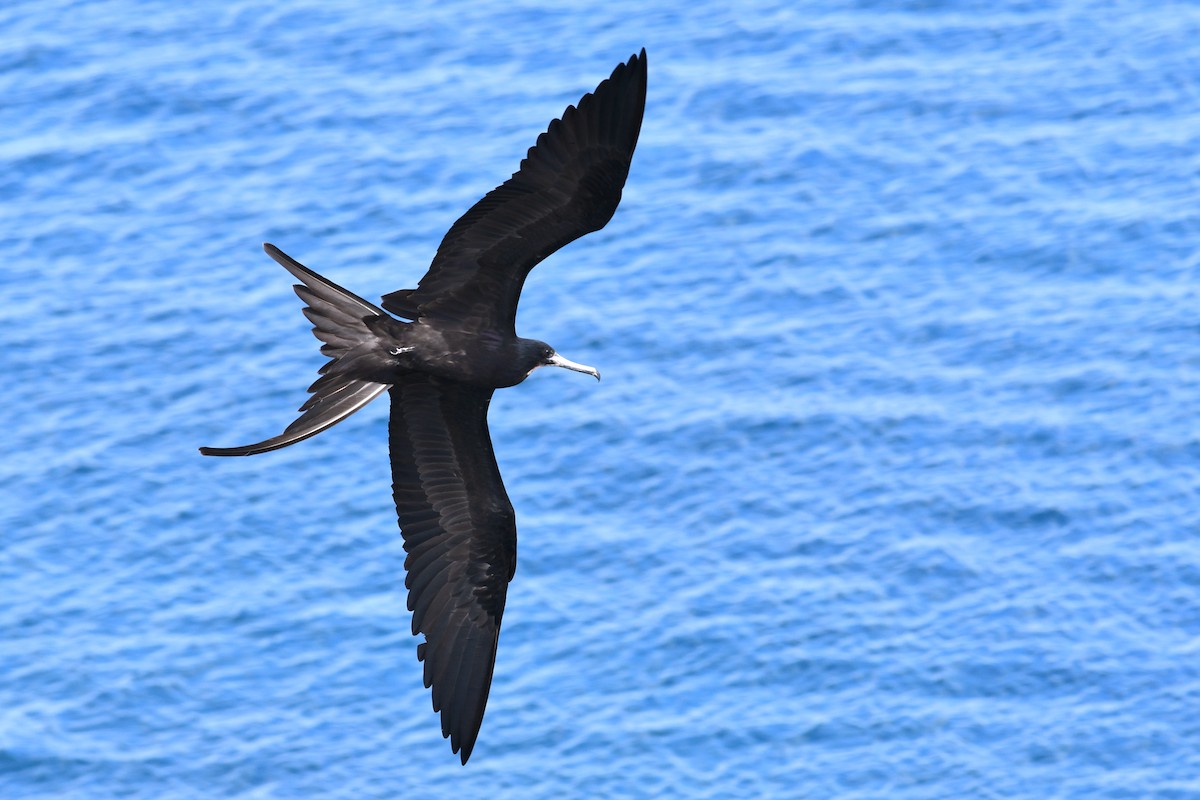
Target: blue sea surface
[[891, 488]]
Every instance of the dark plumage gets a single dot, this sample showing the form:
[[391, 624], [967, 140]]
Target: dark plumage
[[455, 344]]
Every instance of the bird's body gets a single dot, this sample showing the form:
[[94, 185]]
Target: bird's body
[[454, 342]]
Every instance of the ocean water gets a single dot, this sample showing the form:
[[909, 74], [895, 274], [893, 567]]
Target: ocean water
[[890, 488]]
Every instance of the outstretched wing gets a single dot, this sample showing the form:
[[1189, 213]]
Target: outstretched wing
[[461, 538], [568, 185]]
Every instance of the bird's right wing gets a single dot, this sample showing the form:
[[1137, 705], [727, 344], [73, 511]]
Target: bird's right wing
[[461, 538], [568, 185]]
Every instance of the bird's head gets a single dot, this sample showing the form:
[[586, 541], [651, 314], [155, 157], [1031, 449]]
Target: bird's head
[[543, 355]]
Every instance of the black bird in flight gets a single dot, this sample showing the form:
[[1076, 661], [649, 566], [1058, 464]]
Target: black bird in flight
[[455, 344]]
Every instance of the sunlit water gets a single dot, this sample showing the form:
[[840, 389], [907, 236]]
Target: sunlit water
[[890, 488]]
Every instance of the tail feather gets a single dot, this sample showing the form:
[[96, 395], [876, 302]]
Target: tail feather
[[340, 329], [328, 291], [339, 321]]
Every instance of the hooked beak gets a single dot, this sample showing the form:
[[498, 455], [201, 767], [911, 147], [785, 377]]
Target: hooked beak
[[558, 361]]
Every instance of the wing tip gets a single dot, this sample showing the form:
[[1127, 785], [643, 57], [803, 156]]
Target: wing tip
[[636, 63], [463, 742]]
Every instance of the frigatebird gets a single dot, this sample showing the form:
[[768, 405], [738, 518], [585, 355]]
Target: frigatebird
[[450, 345]]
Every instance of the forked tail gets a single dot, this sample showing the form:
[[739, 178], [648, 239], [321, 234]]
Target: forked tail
[[339, 320]]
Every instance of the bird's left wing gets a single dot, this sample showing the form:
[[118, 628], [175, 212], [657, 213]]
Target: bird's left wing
[[568, 185], [461, 538]]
